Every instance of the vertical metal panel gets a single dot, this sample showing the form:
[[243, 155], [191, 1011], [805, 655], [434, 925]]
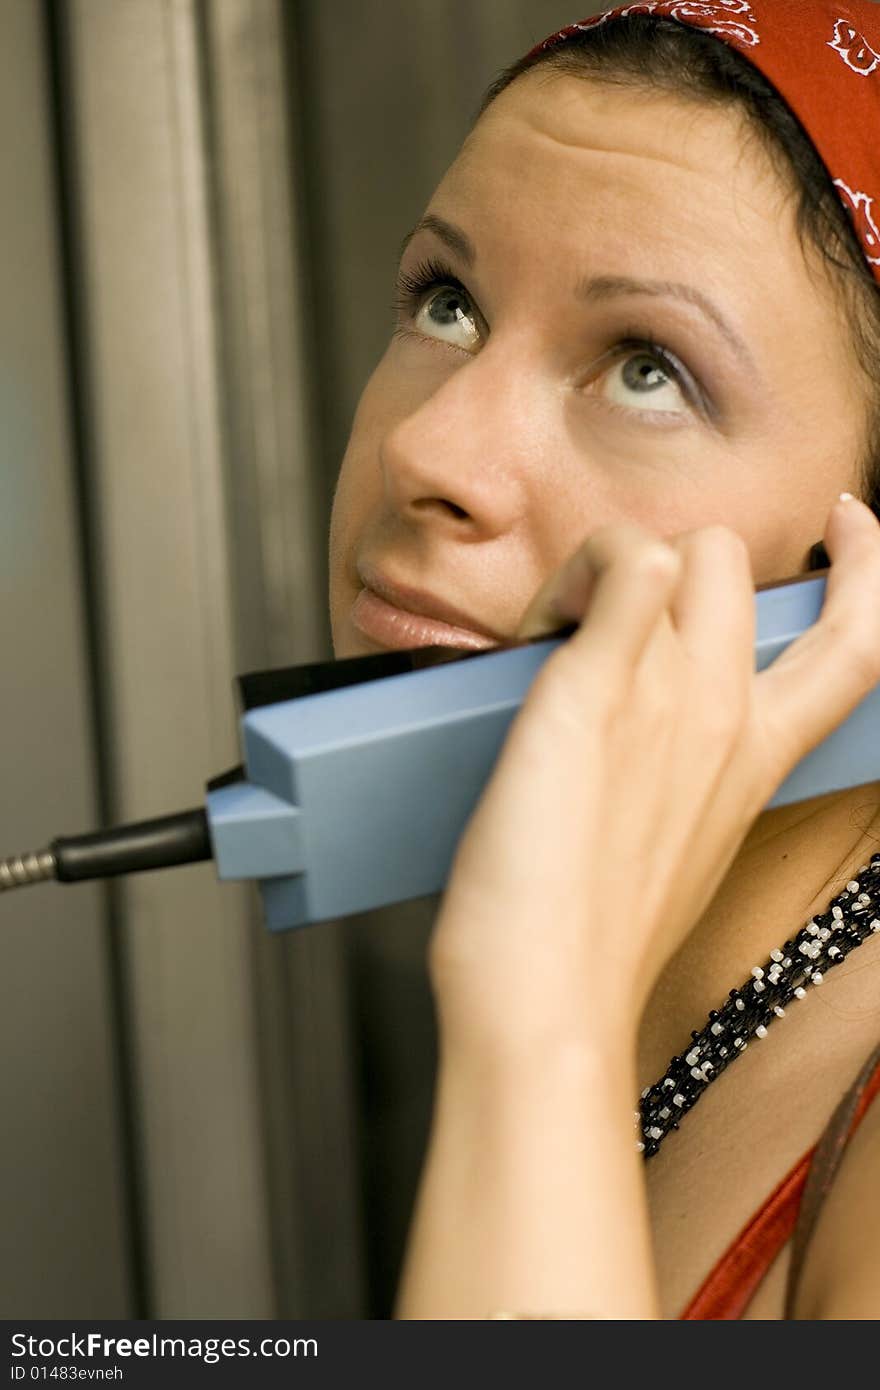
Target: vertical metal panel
[[275, 513], [278, 533], [154, 408], [62, 1180]]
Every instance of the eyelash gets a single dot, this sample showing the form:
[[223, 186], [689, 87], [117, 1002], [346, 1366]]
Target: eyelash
[[414, 286]]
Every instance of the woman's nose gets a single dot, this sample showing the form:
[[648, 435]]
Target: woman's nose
[[464, 455]]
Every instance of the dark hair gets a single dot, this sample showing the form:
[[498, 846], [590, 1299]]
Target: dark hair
[[642, 51]]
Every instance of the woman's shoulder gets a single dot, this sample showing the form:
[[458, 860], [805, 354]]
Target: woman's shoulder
[[841, 1272]]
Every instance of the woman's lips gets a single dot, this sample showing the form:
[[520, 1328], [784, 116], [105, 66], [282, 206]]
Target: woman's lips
[[398, 629]]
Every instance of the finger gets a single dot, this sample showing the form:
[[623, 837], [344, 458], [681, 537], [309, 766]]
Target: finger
[[713, 610], [562, 599], [634, 575], [565, 596], [821, 678]]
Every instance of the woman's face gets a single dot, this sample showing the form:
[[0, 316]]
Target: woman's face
[[606, 315]]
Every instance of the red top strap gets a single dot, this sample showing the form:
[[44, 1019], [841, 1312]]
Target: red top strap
[[728, 1290]]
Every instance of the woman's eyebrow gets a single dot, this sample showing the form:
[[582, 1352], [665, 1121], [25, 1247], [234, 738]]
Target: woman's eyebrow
[[614, 286], [457, 240], [600, 287]]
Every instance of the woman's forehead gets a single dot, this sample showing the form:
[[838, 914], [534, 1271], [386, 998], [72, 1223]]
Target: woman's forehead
[[577, 165]]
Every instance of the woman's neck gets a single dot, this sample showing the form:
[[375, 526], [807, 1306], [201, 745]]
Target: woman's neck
[[793, 862]]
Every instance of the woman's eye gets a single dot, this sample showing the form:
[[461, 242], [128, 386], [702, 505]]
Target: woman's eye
[[437, 306], [449, 315], [646, 379]]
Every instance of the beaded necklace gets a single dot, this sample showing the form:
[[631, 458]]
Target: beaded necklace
[[824, 942]]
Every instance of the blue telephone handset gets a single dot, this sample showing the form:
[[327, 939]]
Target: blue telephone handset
[[355, 797]]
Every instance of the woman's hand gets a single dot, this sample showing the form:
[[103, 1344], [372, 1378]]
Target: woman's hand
[[646, 748]]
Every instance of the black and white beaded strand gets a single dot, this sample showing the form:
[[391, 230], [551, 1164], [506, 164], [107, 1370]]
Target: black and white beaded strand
[[824, 942]]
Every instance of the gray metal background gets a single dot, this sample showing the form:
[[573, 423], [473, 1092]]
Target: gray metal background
[[202, 207]]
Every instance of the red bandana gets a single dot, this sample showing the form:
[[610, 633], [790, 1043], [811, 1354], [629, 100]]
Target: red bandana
[[823, 58]]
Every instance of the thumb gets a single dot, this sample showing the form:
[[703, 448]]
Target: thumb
[[561, 600]]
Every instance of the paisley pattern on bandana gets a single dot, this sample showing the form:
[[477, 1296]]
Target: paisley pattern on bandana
[[854, 48], [818, 55], [861, 207]]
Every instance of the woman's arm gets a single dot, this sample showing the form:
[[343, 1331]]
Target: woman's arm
[[532, 1199]]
